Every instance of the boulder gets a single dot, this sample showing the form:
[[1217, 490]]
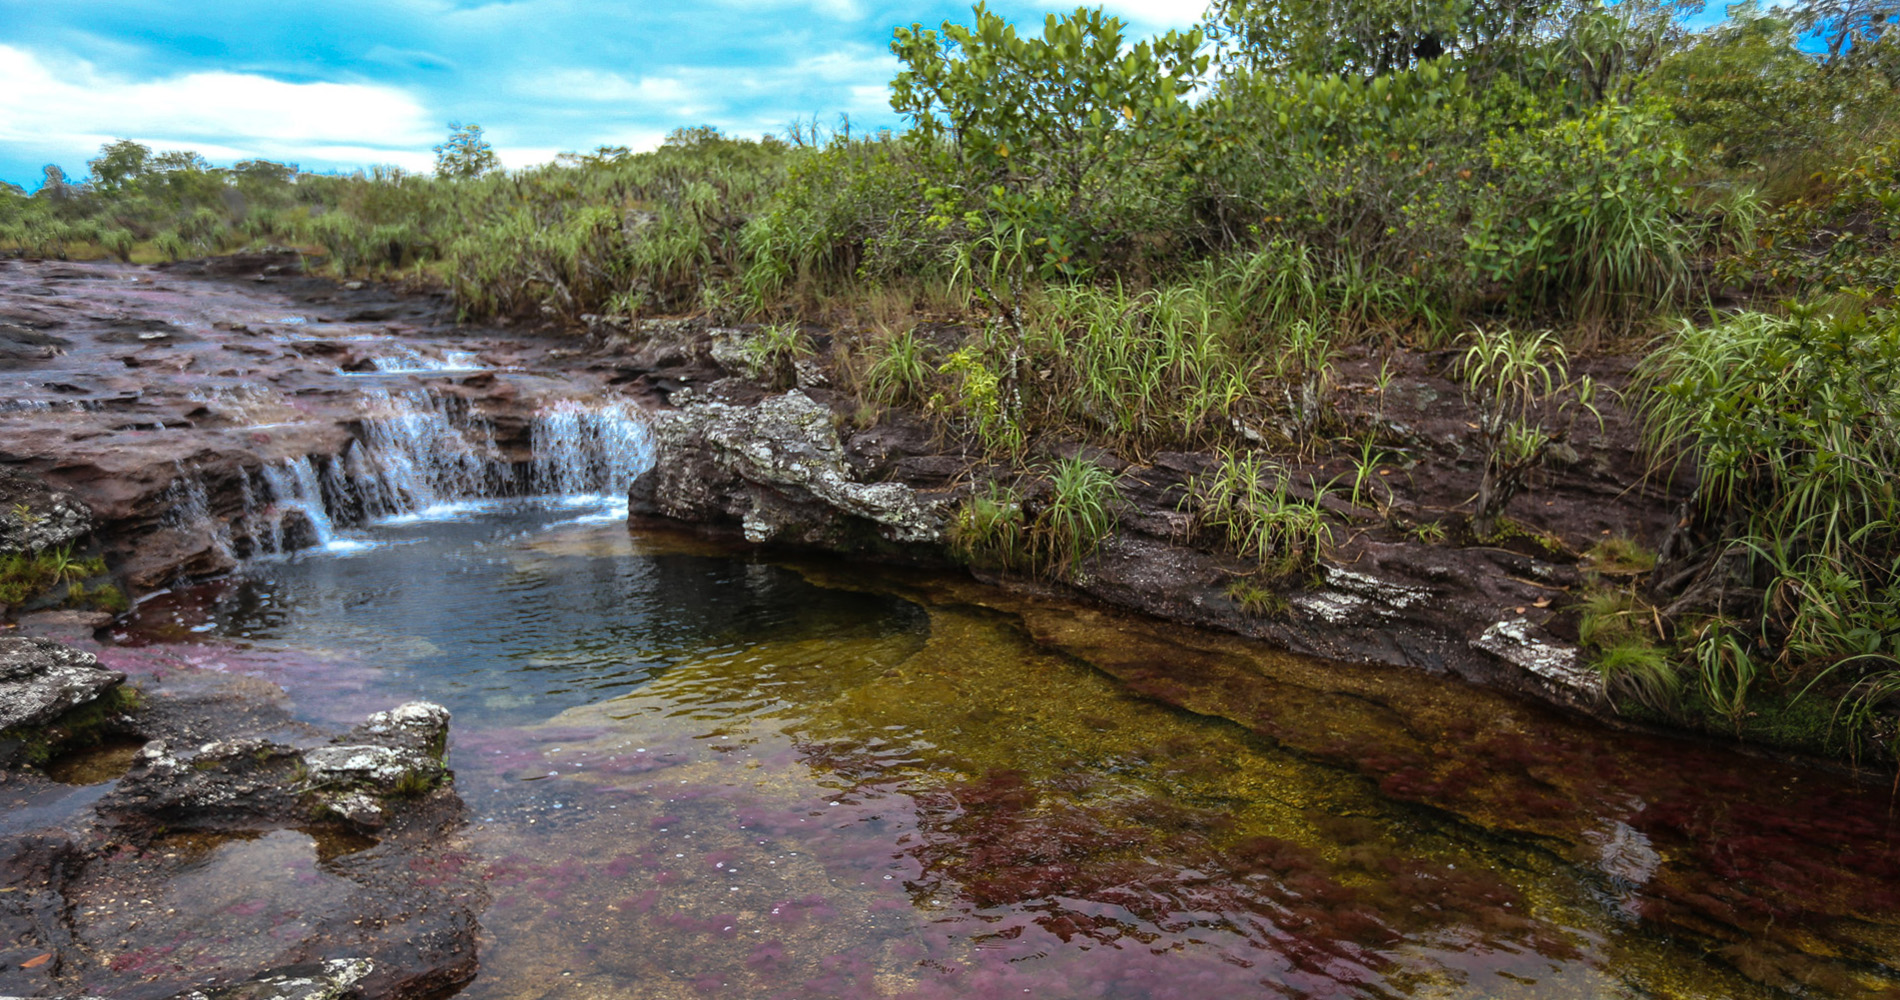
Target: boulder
[[40, 681], [779, 472]]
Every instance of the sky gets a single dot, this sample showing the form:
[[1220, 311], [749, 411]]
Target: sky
[[345, 84]]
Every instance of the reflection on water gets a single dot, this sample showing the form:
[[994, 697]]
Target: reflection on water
[[694, 775]]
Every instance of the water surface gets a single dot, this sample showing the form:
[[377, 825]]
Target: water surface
[[695, 773]]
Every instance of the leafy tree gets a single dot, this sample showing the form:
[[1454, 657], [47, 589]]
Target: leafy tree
[[1747, 95], [178, 160], [54, 186], [1042, 128], [1847, 27], [1373, 37], [465, 153], [119, 164]]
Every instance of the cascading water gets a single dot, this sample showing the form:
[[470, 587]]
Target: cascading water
[[413, 456], [294, 486], [590, 450], [408, 360], [188, 510], [419, 456]]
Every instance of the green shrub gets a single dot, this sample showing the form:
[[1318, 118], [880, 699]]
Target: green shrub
[[900, 370], [1080, 513], [1585, 216], [989, 529]]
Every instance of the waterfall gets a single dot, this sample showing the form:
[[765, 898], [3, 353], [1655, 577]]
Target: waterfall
[[414, 456], [590, 450], [294, 487], [421, 455], [188, 510], [408, 360]]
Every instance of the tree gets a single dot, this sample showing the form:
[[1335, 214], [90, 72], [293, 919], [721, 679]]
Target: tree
[[1376, 37], [53, 184], [465, 153], [1045, 127], [1847, 27], [119, 163]]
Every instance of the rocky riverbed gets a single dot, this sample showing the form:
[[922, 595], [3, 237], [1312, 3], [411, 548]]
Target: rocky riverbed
[[166, 424]]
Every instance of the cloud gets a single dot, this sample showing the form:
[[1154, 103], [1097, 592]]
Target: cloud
[[75, 106], [1156, 15]]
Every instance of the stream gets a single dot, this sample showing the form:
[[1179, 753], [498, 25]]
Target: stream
[[700, 771], [694, 772]]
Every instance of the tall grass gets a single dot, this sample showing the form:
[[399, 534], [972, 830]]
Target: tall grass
[[1793, 424], [1138, 370], [1247, 504]]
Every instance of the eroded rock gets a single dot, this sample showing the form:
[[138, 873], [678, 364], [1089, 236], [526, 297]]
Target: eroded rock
[[35, 517], [335, 979], [1557, 667], [253, 782], [778, 470]]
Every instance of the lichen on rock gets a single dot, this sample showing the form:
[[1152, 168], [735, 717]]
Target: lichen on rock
[[240, 783], [778, 470], [35, 517]]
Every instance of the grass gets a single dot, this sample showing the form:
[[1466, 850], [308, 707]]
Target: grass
[[1526, 402], [1281, 533], [1794, 425], [26, 575], [1081, 512], [999, 527], [771, 351], [900, 371], [989, 529]]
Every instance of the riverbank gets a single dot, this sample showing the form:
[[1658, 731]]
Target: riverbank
[[210, 410]]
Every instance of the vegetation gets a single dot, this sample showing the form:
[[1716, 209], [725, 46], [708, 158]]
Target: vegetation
[[1175, 243], [27, 575]]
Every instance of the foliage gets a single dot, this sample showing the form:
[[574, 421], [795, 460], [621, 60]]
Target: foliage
[[1044, 131], [1076, 509], [1526, 403], [900, 372], [26, 575], [989, 529], [1792, 424], [1584, 215], [465, 153], [1079, 514], [1842, 232], [1282, 533], [1747, 96]]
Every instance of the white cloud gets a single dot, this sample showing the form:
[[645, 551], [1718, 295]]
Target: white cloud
[[1157, 15], [72, 106]]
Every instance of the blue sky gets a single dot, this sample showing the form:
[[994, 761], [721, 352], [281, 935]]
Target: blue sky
[[340, 84]]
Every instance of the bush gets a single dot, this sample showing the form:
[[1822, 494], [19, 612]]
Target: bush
[[1584, 217]]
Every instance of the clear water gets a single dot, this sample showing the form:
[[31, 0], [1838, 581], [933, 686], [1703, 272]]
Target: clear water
[[695, 773]]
